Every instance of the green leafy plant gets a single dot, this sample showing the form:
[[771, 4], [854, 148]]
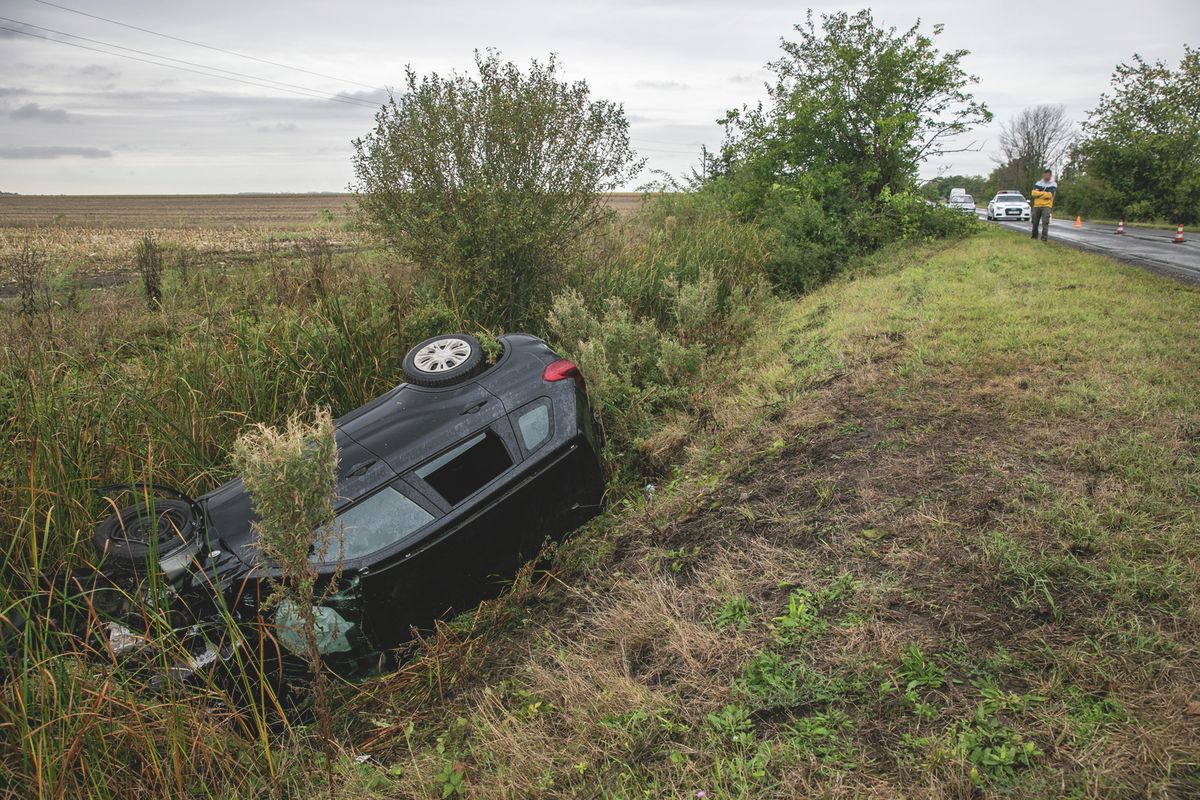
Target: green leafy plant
[[916, 674], [489, 181], [823, 737], [801, 620], [769, 680], [451, 780], [733, 612], [732, 724], [995, 752]]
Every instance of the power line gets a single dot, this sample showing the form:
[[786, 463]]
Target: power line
[[317, 92], [206, 46], [334, 99], [297, 90]]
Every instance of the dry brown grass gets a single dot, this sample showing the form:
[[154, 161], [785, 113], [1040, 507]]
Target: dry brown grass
[[276, 212], [90, 238]]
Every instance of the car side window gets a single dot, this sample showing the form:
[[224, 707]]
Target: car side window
[[460, 472], [534, 424], [376, 522]]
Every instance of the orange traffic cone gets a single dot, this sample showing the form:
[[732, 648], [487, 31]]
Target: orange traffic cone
[[1178, 235], [1121, 227], [1078, 221]]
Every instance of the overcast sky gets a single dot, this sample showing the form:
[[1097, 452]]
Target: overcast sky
[[78, 121]]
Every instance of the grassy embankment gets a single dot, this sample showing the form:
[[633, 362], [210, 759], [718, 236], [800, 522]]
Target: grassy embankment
[[942, 538], [934, 528]]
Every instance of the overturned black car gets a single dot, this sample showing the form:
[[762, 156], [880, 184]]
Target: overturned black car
[[447, 484]]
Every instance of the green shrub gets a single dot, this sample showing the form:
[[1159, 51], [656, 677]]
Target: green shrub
[[489, 182], [633, 369], [673, 240], [638, 369]]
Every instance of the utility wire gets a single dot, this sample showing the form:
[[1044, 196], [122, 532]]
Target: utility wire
[[252, 79], [348, 98], [357, 103], [302, 91], [206, 46]]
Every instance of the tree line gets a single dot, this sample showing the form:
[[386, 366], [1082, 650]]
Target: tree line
[[1137, 155]]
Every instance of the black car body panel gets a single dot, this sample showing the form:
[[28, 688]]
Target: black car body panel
[[443, 494]]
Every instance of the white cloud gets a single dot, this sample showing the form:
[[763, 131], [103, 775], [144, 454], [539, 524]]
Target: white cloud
[[675, 65], [45, 153]]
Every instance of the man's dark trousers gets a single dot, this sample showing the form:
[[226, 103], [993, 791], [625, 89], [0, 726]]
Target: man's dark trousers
[[1041, 213]]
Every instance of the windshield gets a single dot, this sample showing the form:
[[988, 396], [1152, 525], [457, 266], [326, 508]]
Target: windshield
[[962, 198], [1009, 198]]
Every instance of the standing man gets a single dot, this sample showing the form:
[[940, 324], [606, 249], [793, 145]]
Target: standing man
[[1043, 203]]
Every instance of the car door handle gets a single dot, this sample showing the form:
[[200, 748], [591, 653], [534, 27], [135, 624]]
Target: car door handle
[[360, 469], [473, 407]]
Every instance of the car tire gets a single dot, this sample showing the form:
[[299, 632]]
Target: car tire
[[443, 360], [126, 540]]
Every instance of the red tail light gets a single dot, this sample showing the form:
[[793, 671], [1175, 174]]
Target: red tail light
[[561, 370]]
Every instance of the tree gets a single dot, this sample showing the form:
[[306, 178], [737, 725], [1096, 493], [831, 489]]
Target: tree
[[1036, 139], [939, 188], [869, 102], [1141, 144], [488, 182]]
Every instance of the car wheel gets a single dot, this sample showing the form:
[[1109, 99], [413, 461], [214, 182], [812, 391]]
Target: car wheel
[[443, 360], [127, 540]]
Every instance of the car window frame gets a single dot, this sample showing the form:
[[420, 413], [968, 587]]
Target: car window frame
[[503, 430]]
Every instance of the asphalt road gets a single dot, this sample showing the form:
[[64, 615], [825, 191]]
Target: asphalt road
[[1143, 247]]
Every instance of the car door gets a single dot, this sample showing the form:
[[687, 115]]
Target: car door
[[378, 529], [472, 549]]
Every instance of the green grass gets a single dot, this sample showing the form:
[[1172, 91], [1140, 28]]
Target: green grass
[[933, 533], [1000, 602]]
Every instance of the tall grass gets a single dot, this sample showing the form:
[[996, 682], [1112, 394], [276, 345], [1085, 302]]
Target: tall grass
[[115, 392]]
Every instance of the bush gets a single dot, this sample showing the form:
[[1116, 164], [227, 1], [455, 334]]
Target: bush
[[490, 182], [820, 227], [674, 240], [638, 371], [149, 259]]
